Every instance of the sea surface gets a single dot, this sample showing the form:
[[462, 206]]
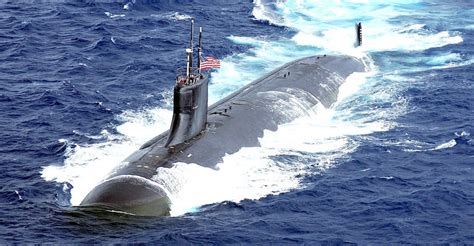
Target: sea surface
[[84, 83]]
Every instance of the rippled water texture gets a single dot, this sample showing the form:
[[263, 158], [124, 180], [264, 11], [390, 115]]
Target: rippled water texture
[[83, 85]]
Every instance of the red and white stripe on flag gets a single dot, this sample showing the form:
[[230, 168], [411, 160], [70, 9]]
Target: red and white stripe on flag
[[210, 63]]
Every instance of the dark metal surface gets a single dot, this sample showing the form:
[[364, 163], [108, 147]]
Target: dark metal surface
[[189, 111]]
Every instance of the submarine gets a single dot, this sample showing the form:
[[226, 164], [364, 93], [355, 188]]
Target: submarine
[[204, 135]]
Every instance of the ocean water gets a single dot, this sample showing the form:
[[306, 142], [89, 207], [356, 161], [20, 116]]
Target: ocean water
[[85, 83]]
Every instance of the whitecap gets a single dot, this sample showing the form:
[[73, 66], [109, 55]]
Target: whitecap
[[174, 16], [446, 145], [19, 196], [113, 15]]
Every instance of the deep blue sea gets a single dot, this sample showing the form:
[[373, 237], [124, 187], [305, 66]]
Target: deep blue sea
[[84, 83]]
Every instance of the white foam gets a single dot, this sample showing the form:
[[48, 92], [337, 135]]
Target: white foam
[[447, 145], [342, 40], [179, 16], [353, 84], [422, 147], [248, 174], [128, 5], [175, 16], [261, 12], [240, 69], [113, 15], [86, 166], [454, 64], [18, 194], [329, 25], [450, 144], [463, 134]]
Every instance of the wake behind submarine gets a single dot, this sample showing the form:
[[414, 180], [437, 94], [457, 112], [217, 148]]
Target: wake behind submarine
[[204, 135]]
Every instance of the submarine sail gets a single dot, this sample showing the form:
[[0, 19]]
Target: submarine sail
[[189, 100]]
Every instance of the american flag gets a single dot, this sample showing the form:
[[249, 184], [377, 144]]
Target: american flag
[[210, 63]]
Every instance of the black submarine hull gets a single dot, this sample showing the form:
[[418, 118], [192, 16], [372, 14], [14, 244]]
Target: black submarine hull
[[234, 122]]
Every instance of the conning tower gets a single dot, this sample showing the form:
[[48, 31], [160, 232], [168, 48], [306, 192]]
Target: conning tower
[[190, 99]]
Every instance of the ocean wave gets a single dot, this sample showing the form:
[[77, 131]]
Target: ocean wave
[[174, 16], [112, 16], [461, 138]]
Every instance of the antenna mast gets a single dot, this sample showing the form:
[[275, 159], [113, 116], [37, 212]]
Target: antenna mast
[[359, 34], [189, 52], [200, 49], [191, 42]]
